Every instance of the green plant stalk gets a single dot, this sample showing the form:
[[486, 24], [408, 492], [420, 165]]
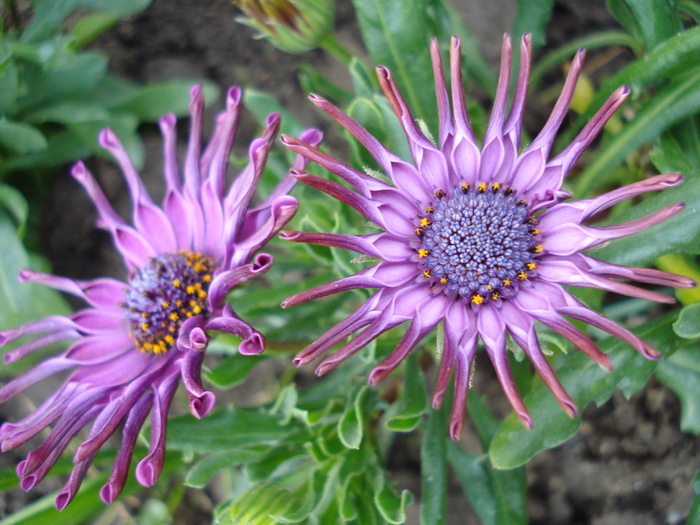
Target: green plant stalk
[[331, 44]]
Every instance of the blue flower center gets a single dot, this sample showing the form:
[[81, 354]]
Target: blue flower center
[[164, 293], [478, 243]]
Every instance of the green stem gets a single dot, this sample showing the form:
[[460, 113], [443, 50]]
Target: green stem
[[331, 44]]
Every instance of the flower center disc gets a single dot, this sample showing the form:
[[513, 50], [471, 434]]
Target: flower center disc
[[477, 243], [163, 293]]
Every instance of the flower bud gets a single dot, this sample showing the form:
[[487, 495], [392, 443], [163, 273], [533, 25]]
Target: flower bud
[[294, 26]]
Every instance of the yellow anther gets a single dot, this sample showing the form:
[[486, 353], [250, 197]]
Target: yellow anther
[[173, 316], [429, 209], [190, 289], [489, 287], [419, 232], [481, 187], [495, 295], [145, 326], [206, 278], [477, 299], [531, 265], [496, 186], [196, 309], [177, 283], [443, 280], [178, 303], [423, 253], [439, 193], [506, 282], [465, 187], [534, 231], [426, 274], [169, 339], [424, 222], [202, 294], [522, 276], [165, 304], [537, 248]]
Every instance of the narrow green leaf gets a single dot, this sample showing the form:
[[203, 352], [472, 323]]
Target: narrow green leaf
[[156, 99], [681, 373], [653, 20], [14, 206], [514, 445], [224, 429], [351, 423], [396, 34], [434, 469], [202, 471], [679, 234], [234, 369], [532, 16], [260, 104], [413, 402], [668, 106], [672, 58], [21, 137], [496, 496], [687, 325], [90, 27]]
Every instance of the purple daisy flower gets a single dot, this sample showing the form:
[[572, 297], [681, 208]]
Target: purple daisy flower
[[477, 238], [139, 339]]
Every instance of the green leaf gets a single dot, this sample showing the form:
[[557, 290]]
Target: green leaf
[[90, 27], [687, 325], [532, 16], [234, 370], [447, 22], [496, 496], [20, 137], [156, 99], [22, 302], [224, 429], [681, 373], [351, 423], [413, 402], [396, 34], [14, 206], [260, 104], [202, 472], [672, 58], [434, 469], [651, 21], [256, 505], [390, 506], [694, 514], [679, 234], [670, 105], [514, 445]]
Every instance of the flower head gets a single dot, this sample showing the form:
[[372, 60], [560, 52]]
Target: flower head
[[479, 238], [137, 340]]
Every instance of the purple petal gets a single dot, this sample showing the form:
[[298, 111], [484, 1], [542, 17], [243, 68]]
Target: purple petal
[[227, 280], [200, 401], [492, 330], [253, 341]]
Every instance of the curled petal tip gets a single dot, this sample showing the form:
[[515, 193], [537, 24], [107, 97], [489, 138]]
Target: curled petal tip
[[62, 500], [650, 352], [201, 406], [288, 235], [298, 361], [195, 91], [437, 399], [325, 367], [109, 493], [78, 170], [108, 139], [525, 419], [167, 122], [254, 345], [456, 429], [233, 97], [570, 408], [262, 262], [24, 275]]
